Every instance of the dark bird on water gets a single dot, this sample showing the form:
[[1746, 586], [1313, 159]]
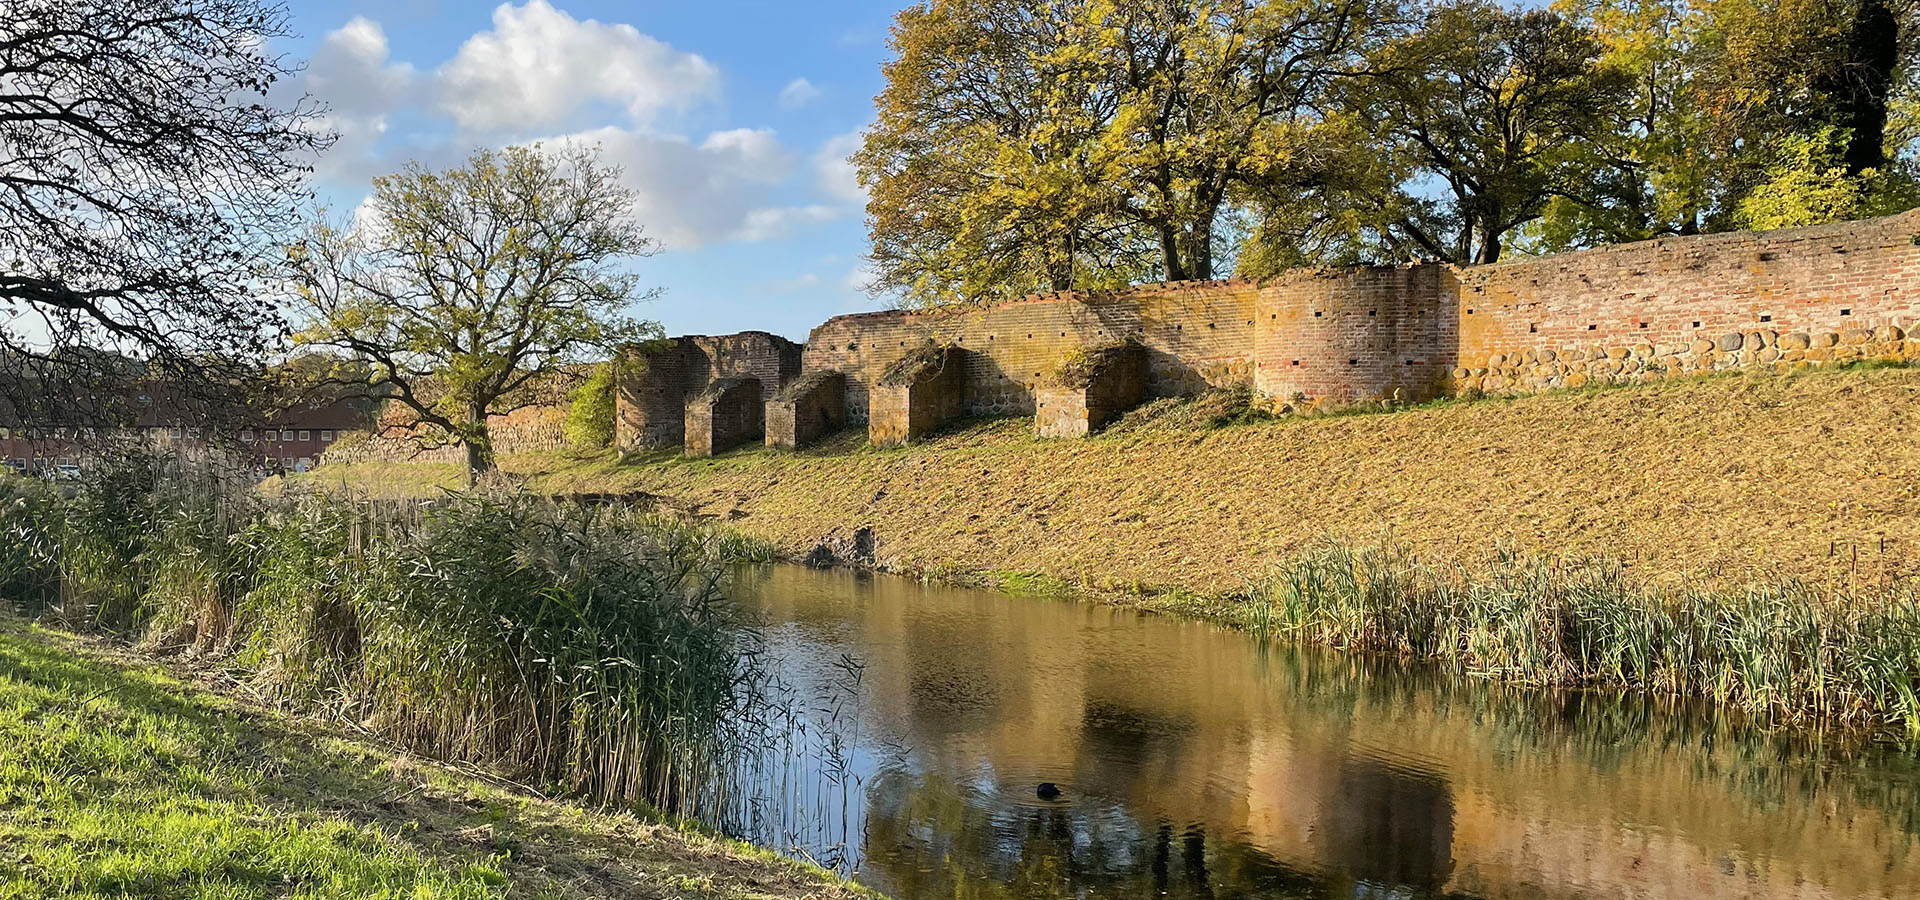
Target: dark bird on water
[[1047, 791]]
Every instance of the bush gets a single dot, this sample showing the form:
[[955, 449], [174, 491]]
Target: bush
[[590, 420]]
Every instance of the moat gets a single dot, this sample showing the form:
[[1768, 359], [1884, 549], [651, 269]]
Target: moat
[[1191, 761]]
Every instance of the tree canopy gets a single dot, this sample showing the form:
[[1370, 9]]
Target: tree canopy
[[459, 289], [1054, 144], [144, 174]]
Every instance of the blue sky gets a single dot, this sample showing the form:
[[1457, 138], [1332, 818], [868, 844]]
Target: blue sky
[[731, 117]]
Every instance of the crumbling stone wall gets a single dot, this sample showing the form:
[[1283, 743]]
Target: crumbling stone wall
[[1795, 297], [1194, 336], [659, 378], [724, 415], [916, 394], [1091, 390], [806, 410], [1789, 298]]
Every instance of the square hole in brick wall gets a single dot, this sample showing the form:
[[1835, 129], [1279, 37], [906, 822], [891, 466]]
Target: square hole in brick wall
[[1846, 312], [1643, 326], [1353, 362], [1593, 327], [1533, 327], [1316, 314], [1766, 318], [1370, 312], [1696, 324], [1296, 362]]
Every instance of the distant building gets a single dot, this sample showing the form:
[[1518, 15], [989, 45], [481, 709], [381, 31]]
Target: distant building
[[292, 439]]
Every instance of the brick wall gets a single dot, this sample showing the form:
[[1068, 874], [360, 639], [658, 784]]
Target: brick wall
[[660, 378], [1351, 334], [1684, 304], [1195, 336], [1793, 297]]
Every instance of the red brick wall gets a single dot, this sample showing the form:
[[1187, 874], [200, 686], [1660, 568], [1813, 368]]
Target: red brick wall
[[1661, 301], [1195, 335], [1351, 334]]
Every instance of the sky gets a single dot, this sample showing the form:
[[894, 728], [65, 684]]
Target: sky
[[731, 118]]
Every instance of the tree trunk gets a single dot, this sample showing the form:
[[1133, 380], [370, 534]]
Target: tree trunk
[[1200, 250], [479, 445], [1170, 254], [1865, 84]]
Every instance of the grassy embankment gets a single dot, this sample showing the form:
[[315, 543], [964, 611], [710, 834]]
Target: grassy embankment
[[1748, 538], [120, 779], [590, 653]]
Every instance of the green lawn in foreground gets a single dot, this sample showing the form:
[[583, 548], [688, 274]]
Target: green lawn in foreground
[[119, 781]]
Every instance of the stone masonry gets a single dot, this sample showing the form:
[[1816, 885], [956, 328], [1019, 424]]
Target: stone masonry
[[726, 414], [1090, 390], [915, 395], [806, 410], [1781, 300]]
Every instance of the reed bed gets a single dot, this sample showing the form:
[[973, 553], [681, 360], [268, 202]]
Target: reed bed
[[589, 650], [1784, 652]]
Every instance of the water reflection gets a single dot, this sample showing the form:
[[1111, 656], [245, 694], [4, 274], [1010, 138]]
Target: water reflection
[[1192, 763]]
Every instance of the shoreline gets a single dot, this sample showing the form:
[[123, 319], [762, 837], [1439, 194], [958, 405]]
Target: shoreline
[[405, 822], [1708, 488]]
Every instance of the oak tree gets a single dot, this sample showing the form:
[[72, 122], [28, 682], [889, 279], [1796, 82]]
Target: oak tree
[[462, 288]]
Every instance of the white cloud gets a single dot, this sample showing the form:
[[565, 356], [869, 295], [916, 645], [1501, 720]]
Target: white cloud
[[798, 93], [350, 74], [540, 68], [779, 221], [836, 176], [693, 194]]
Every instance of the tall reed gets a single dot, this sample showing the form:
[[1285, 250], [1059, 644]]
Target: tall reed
[[1783, 652], [590, 650]]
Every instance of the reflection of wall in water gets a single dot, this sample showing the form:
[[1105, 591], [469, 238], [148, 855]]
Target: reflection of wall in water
[[1268, 752], [1386, 826]]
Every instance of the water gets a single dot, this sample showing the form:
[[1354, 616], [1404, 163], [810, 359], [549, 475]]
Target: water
[[1192, 762]]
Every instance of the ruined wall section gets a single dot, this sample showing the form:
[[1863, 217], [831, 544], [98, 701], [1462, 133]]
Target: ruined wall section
[[1341, 335], [1828, 293], [1195, 336]]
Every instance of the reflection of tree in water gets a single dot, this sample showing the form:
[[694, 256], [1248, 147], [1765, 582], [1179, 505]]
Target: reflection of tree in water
[[929, 836]]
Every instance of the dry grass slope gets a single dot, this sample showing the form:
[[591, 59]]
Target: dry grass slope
[[1714, 481]]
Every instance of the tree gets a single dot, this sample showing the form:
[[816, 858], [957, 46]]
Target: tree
[[460, 288], [976, 165], [1087, 143], [143, 175], [1209, 97], [1482, 115]]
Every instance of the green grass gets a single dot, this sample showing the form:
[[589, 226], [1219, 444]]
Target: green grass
[[122, 781]]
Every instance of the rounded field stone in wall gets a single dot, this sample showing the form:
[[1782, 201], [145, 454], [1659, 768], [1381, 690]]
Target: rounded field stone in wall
[[1702, 346], [1461, 373], [1798, 340], [1496, 360], [1642, 351], [1731, 342], [1794, 355], [1757, 340], [1618, 353], [1548, 356], [1768, 355], [1577, 379], [1855, 336], [1889, 333], [1825, 339]]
